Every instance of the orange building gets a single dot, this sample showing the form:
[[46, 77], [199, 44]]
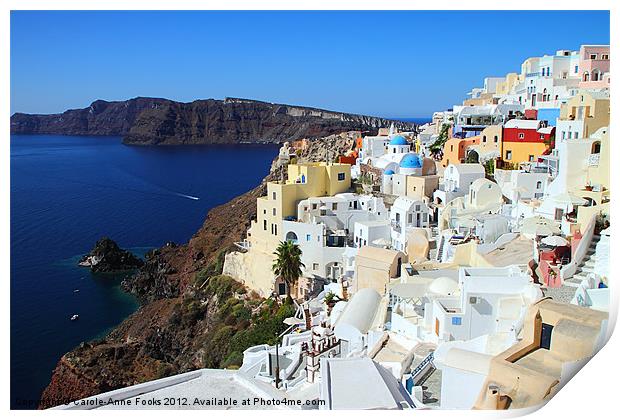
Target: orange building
[[455, 149]]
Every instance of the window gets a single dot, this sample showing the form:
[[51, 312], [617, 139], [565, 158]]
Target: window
[[308, 237], [452, 148], [334, 206], [538, 185], [605, 57], [264, 225], [521, 136], [542, 136], [313, 206], [274, 195], [341, 176], [456, 320], [495, 139], [484, 139], [275, 230], [576, 69], [592, 56], [274, 211], [315, 266], [531, 158], [508, 154], [410, 218]]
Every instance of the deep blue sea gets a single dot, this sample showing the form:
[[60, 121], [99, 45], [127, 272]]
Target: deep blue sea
[[69, 191]]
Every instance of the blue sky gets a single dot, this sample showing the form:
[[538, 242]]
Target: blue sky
[[395, 64]]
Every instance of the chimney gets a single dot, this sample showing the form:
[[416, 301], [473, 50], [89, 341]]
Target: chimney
[[308, 317]]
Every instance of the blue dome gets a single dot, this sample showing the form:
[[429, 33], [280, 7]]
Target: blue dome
[[411, 161], [398, 141], [388, 172]]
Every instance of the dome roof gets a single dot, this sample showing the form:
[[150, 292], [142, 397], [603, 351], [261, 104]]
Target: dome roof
[[388, 172], [411, 161], [398, 141], [443, 286]]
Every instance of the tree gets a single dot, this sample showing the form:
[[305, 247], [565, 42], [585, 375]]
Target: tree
[[288, 264]]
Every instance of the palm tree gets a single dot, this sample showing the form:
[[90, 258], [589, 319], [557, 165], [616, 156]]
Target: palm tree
[[288, 264]]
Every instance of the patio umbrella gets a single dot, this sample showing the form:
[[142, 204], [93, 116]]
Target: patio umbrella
[[466, 222], [291, 320], [539, 226], [381, 242], [554, 241], [569, 199]]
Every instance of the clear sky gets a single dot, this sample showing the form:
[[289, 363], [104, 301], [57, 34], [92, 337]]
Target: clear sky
[[394, 64]]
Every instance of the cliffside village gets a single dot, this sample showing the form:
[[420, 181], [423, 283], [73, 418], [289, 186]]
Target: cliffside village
[[464, 265]]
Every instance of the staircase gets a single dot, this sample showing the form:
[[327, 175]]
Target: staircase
[[587, 265]]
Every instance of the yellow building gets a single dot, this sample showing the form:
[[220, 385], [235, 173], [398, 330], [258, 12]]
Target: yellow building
[[304, 181], [583, 114], [253, 267], [510, 81], [455, 149]]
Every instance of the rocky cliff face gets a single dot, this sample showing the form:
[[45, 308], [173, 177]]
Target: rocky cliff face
[[154, 121]]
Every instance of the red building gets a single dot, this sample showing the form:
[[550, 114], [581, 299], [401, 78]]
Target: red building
[[525, 140], [527, 131]]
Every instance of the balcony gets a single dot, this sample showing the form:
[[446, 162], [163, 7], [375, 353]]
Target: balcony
[[396, 225]]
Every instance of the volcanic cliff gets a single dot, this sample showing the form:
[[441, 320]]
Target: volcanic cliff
[[155, 121], [191, 316]]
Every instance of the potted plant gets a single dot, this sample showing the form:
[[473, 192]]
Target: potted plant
[[330, 300]]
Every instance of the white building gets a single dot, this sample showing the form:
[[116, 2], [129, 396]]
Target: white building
[[519, 184], [372, 233], [325, 227], [456, 181], [406, 214], [492, 300]]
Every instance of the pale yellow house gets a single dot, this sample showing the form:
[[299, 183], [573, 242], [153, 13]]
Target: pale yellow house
[[583, 114], [510, 81], [557, 338], [421, 187], [253, 267], [376, 267], [490, 142]]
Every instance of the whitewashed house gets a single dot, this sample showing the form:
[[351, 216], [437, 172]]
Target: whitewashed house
[[405, 214], [492, 300], [456, 181]]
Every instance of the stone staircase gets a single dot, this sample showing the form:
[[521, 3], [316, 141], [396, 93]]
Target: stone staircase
[[587, 265]]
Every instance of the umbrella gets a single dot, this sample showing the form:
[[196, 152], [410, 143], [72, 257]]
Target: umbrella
[[291, 320], [466, 222], [554, 241], [539, 226], [569, 199], [381, 242]]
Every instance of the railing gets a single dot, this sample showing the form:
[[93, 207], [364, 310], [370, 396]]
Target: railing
[[594, 159], [244, 245], [419, 369]]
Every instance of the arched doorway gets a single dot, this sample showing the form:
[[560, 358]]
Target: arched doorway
[[472, 156], [292, 237]]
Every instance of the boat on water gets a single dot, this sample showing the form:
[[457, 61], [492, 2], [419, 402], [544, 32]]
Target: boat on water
[[75, 317]]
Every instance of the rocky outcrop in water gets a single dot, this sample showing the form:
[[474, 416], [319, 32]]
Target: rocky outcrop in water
[[155, 121], [107, 257]]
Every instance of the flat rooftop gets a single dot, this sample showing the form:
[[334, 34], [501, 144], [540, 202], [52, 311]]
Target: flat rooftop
[[205, 389]]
